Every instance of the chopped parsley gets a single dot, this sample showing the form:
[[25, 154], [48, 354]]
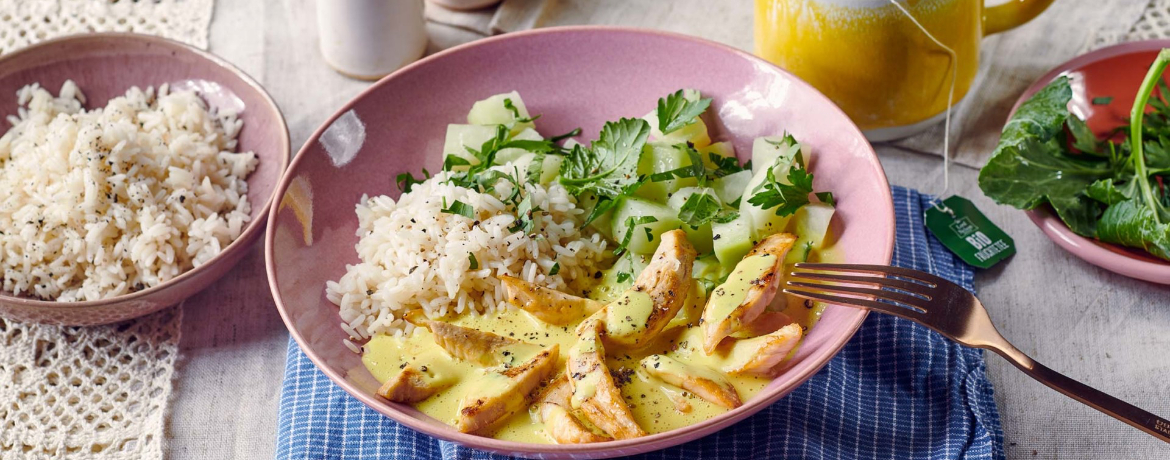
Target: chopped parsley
[[631, 222], [458, 208], [608, 168], [516, 112], [675, 111], [474, 262], [556, 268], [786, 198], [405, 181]]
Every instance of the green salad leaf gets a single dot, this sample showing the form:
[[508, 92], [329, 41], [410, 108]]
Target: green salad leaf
[[1113, 189], [1032, 165], [676, 111]]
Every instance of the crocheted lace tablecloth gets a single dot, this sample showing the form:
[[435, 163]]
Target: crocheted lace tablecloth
[[96, 392]]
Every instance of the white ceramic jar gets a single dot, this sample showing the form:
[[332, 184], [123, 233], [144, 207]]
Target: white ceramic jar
[[368, 39]]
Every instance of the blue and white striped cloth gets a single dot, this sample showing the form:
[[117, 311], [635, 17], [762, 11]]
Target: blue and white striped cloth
[[896, 391]]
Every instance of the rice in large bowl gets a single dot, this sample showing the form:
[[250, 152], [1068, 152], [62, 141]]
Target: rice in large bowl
[[100, 203], [416, 256]]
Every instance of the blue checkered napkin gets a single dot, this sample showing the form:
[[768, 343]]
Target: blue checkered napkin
[[896, 391]]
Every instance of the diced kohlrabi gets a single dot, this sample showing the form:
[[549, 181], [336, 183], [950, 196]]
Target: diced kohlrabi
[[459, 137], [766, 150], [732, 186], [810, 224], [658, 158], [641, 241], [493, 111], [732, 240]]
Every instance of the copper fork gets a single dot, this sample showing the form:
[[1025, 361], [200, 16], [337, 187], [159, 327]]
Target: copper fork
[[955, 313]]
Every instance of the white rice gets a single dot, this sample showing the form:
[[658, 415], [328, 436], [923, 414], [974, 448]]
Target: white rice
[[100, 203], [415, 256]]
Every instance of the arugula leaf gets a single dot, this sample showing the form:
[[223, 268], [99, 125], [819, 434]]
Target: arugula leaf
[[675, 111], [1031, 165], [474, 262], [786, 198], [610, 165], [406, 181], [631, 223], [458, 208]]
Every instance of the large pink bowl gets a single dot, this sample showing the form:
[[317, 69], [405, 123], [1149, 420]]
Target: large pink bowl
[[104, 66], [578, 76], [1114, 72]]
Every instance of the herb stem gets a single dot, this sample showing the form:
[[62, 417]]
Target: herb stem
[[1135, 128]]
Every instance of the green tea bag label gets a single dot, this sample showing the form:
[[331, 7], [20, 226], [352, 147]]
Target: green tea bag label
[[959, 225]]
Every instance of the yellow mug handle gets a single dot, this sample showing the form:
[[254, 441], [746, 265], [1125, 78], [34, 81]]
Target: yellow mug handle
[[1012, 14]]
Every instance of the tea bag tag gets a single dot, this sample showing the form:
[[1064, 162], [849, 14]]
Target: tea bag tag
[[959, 225]]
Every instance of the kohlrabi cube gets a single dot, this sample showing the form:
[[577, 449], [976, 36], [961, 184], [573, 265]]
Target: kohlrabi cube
[[732, 240], [459, 137], [494, 111], [641, 240], [657, 158], [810, 224]]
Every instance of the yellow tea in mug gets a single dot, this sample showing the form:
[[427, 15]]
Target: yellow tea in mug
[[873, 61]]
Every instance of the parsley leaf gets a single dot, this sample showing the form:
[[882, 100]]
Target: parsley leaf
[[560, 137], [631, 223], [1102, 100], [474, 262], [406, 181], [556, 268], [610, 165], [623, 276], [786, 198], [696, 169], [827, 198], [459, 208], [535, 169], [726, 166], [451, 161], [675, 111], [526, 216]]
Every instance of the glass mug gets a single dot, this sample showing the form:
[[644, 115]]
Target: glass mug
[[873, 62]]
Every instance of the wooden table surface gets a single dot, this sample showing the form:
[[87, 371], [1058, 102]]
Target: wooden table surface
[[1106, 330]]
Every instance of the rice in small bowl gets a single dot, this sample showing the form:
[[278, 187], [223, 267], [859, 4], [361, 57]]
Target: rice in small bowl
[[134, 171]]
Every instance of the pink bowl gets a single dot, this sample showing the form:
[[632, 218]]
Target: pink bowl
[[577, 76], [104, 66], [1116, 72]]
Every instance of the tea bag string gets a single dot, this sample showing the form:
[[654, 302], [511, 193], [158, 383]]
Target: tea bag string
[[954, 57]]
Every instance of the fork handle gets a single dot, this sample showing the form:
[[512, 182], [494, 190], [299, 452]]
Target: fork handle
[[1137, 417]]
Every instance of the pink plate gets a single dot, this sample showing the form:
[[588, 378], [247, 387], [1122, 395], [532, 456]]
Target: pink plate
[[1115, 72], [577, 76], [104, 66]]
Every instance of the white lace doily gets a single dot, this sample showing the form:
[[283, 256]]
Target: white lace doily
[[23, 22], [96, 392], [1152, 24], [86, 392]]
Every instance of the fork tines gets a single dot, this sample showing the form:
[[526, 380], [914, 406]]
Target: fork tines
[[892, 290]]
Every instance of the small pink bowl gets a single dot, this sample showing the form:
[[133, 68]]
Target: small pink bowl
[[573, 77], [104, 66], [1116, 72]]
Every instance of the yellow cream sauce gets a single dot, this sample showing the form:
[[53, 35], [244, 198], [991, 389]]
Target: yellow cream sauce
[[656, 406]]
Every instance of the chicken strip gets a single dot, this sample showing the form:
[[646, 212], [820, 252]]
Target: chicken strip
[[480, 347], [660, 291], [703, 381], [594, 392], [504, 392], [414, 384], [548, 305], [747, 291], [767, 323], [760, 355], [560, 424]]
